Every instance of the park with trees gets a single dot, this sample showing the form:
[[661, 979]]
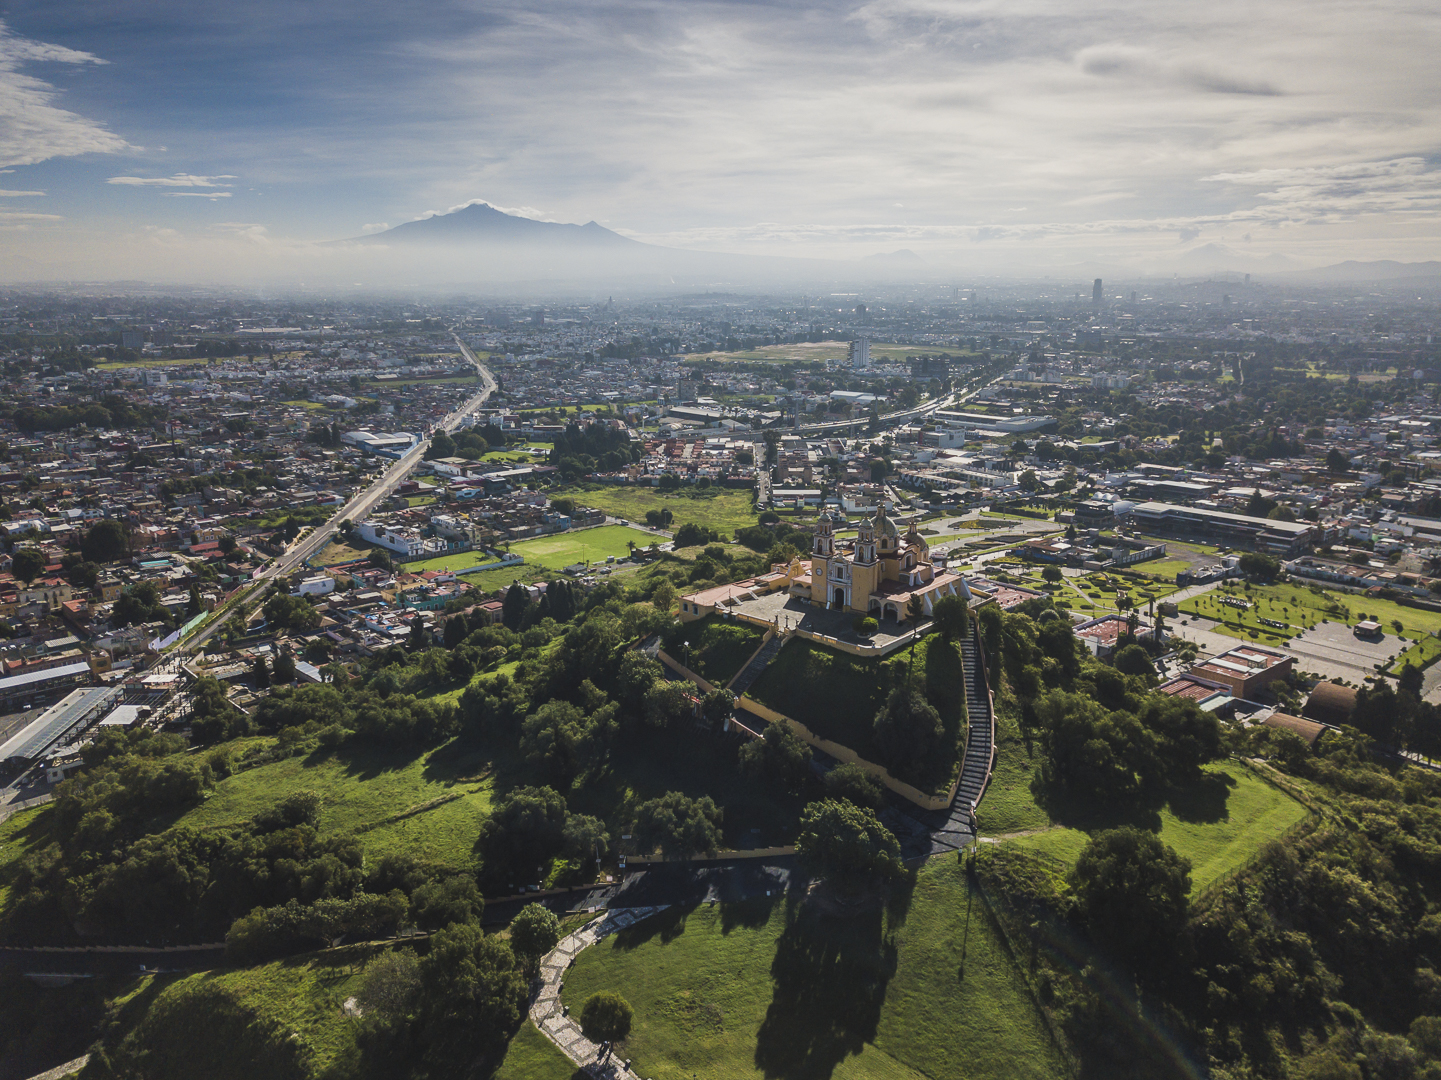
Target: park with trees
[[1172, 870]]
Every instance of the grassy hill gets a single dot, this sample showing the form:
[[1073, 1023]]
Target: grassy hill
[[429, 804], [769, 988], [838, 695], [1220, 831], [279, 1021]]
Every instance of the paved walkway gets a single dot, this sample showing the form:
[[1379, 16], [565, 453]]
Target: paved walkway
[[546, 1011]]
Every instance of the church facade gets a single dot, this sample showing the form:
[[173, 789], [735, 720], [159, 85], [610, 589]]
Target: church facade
[[876, 574]]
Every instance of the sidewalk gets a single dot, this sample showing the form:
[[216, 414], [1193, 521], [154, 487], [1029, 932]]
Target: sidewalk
[[546, 1011]]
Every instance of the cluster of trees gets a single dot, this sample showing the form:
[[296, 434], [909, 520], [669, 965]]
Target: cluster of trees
[[468, 443], [579, 450], [1319, 960], [111, 411]]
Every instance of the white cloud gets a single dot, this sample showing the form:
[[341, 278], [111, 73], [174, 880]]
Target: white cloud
[[375, 227], [32, 127], [195, 194], [178, 180], [17, 194]]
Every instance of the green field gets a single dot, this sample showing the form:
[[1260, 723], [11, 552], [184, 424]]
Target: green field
[[1008, 805], [1236, 814], [1300, 608], [722, 509], [460, 560], [531, 1056], [582, 545], [280, 1020], [379, 793], [767, 988]]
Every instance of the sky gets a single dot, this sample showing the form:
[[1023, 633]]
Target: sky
[[146, 138]]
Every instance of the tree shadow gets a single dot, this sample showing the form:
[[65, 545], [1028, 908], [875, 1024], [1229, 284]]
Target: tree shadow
[[830, 977], [1204, 801], [1142, 811], [749, 914], [666, 925]]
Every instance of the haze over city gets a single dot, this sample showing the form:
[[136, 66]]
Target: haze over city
[[179, 142]]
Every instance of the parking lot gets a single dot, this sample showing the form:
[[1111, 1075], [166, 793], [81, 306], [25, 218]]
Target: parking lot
[[1331, 650]]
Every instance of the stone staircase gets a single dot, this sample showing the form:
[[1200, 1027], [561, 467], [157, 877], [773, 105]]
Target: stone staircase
[[758, 663], [976, 768]]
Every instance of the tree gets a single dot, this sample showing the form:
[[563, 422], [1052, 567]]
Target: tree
[[779, 755], [606, 1017], [952, 617], [1410, 680], [454, 631], [1131, 893], [1258, 566], [846, 844], [1133, 660], [282, 669], [228, 544], [854, 783], [512, 608], [533, 932], [586, 839], [445, 901], [389, 985], [471, 994], [678, 826], [1052, 574], [1337, 461], [716, 706], [27, 563], [908, 730], [105, 542]]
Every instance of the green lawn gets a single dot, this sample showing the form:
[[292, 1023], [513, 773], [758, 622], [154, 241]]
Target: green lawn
[[458, 561], [722, 509], [1423, 654], [531, 1056], [1298, 607], [380, 793], [1008, 805], [563, 549], [1221, 833], [1166, 568], [766, 988]]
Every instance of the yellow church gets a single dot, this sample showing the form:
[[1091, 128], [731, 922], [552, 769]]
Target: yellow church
[[877, 573]]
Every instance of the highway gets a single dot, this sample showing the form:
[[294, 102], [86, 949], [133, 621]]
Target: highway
[[360, 505]]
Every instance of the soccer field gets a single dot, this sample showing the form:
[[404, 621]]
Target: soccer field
[[591, 545]]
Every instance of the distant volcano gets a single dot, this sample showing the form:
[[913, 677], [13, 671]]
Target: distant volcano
[[485, 225]]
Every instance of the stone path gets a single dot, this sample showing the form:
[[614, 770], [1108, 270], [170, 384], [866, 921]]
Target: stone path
[[545, 1008]]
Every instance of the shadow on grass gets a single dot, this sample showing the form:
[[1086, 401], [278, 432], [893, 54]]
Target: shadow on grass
[[1085, 815], [829, 977], [1205, 801], [749, 914], [666, 925]]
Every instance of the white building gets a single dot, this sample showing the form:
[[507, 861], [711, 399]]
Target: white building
[[403, 541], [860, 354], [317, 585]]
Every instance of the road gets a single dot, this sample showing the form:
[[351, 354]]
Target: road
[[360, 505]]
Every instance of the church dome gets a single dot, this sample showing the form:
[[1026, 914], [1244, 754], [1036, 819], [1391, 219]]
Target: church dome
[[917, 541], [884, 526]]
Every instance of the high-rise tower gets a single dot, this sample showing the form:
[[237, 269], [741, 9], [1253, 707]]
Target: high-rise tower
[[1096, 293]]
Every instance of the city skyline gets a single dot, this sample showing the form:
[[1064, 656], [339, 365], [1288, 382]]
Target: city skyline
[[151, 140]]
